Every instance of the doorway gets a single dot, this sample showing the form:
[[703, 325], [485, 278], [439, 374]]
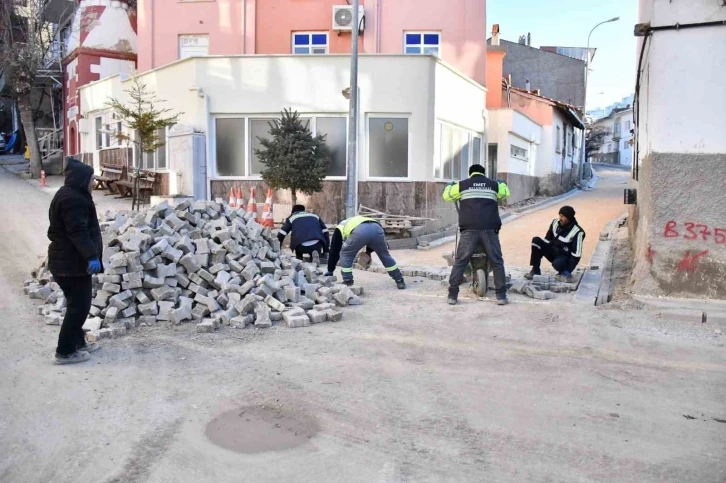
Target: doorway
[[491, 166]]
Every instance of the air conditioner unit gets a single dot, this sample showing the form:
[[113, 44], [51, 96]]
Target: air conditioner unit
[[343, 18]]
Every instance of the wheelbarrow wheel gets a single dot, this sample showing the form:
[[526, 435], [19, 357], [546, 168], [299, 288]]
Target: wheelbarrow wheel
[[480, 283]]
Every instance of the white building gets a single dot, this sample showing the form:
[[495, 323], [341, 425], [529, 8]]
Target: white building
[[677, 224], [617, 147], [422, 124]]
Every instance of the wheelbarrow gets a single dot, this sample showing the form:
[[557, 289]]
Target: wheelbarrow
[[478, 269]]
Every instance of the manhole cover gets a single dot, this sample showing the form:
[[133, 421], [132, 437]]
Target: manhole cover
[[255, 429]]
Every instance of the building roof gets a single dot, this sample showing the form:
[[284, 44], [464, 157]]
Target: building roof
[[570, 111]]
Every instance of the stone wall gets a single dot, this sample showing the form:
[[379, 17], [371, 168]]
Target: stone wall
[[678, 227], [521, 186], [421, 199]]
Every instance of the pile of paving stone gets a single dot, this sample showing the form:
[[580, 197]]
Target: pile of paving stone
[[198, 262], [544, 287]]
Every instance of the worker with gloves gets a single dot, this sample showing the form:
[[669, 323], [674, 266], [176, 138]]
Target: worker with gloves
[[308, 233], [353, 234], [74, 255], [562, 245], [479, 223]]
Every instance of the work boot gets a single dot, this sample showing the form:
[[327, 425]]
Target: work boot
[[364, 260], [452, 300], [89, 347], [400, 284], [75, 358], [348, 283], [503, 301], [532, 273]]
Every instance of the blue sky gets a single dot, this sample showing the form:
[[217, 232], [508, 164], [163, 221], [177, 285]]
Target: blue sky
[[566, 23]]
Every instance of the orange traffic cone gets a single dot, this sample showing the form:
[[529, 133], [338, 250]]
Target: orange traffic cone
[[267, 220], [42, 179], [240, 198], [232, 198], [252, 205]]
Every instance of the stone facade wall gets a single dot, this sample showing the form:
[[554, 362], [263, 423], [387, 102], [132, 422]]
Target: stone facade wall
[[678, 227], [421, 199]]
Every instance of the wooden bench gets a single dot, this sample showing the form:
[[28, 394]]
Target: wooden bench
[[139, 186], [110, 175]]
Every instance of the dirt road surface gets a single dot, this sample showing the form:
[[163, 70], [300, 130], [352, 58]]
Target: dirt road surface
[[404, 389], [594, 210]]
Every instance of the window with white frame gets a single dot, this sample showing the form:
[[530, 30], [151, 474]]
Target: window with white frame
[[388, 147], [558, 141], [157, 160], [99, 132], [458, 150], [193, 46], [307, 43], [422, 43], [518, 152], [237, 138]]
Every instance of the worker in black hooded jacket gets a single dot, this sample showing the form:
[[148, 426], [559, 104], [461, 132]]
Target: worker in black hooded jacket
[[562, 245], [74, 255]]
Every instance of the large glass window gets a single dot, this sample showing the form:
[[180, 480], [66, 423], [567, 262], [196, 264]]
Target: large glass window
[[230, 140], [306, 43], [422, 43], [388, 147], [458, 150], [335, 130], [259, 129]]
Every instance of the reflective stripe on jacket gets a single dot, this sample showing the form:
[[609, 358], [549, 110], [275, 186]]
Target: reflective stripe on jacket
[[304, 227], [477, 197], [346, 227]]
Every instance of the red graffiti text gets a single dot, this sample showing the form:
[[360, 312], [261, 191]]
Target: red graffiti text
[[694, 231]]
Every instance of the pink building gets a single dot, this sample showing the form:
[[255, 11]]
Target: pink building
[[454, 30]]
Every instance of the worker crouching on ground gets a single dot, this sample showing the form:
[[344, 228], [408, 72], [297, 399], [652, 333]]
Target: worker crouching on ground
[[562, 245], [308, 234], [479, 223], [74, 255], [353, 234]]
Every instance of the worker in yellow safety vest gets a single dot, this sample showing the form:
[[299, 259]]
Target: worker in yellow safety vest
[[479, 223], [353, 234]]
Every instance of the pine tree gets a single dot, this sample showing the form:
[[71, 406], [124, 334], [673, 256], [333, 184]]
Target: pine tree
[[294, 158], [144, 118]]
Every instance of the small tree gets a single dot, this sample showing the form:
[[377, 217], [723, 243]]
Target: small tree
[[144, 118], [595, 139], [26, 38], [294, 158]]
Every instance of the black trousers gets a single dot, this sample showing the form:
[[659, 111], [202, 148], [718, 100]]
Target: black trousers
[[301, 250], [468, 242], [560, 261], [77, 291]]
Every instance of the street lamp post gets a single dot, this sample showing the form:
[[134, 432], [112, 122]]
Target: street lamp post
[[351, 200], [584, 107]]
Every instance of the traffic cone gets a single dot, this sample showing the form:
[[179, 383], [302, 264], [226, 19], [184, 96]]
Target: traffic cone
[[252, 205], [232, 198], [42, 178], [240, 198], [267, 220]]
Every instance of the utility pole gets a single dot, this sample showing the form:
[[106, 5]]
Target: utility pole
[[351, 199]]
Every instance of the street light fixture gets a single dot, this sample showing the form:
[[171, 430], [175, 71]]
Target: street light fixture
[[584, 107]]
